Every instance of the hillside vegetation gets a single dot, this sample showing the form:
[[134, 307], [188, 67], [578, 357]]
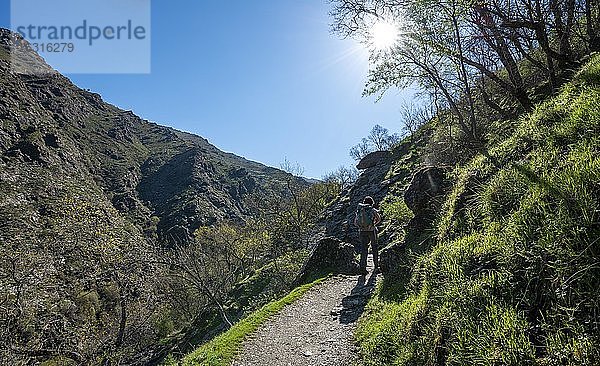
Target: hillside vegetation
[[122, 240], [508, 274]]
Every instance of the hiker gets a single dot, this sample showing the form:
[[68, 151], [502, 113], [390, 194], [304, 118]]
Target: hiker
[[367, 218]]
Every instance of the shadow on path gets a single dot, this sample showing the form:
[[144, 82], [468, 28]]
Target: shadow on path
[[354, 304], [317, 329]]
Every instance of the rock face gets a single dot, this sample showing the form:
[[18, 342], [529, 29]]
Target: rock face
[[336, 231], [338, 220], [424, 197], [331, 253], [373, 159], [424, 188]]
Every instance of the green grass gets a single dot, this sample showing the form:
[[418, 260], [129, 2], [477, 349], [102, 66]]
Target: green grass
[[222, 349], [512, 277]]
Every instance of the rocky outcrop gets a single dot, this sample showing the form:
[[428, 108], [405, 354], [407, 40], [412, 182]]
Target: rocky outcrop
[[423, 193], [338, 220], [330, 254], [384, 171], [424, 198], [372, 159]]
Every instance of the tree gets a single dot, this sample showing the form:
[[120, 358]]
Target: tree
[[343, 177], [379, 139], [219, 257], [414, 116], [358, 151], [294, 169], [460, 49]]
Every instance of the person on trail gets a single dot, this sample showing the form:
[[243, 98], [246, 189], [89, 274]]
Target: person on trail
[[367, 218]]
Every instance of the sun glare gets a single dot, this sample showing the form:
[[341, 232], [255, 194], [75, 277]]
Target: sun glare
[[384, 35]]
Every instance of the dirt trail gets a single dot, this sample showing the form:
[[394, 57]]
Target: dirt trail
[[315, 330]]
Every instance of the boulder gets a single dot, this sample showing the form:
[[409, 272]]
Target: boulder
[[373, 159], [332, 254], [338, 219], [423, 197], [391, 257], [427, 183]]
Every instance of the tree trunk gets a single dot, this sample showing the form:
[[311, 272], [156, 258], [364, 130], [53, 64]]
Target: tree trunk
[[218, 304], [565, 41], [465, 77], [558, 25], [592, 32], [542, 38], [499, 46], [520, 95], [222, 313], [491, 103], [450, 100]]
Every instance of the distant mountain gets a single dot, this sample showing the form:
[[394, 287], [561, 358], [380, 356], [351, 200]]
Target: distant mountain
[[165, 182]]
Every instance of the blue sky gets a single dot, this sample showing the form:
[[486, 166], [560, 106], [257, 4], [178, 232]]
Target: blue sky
[[262, 79]]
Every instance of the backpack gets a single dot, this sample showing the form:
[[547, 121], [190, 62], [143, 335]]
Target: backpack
[[365, 216]]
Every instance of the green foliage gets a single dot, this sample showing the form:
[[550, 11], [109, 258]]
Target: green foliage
[[221, 350], [268, 282], [164, 323], [385, 333], [170, 360], [513, 276], [395, 209], [564, 349], [88, 305], [397, 215], [590, 73], [342, 178], [291, 214]]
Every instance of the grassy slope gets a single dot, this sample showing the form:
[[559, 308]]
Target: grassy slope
[[221, 350], [513, 277]]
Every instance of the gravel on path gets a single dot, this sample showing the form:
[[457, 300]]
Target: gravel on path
[[317, 329]]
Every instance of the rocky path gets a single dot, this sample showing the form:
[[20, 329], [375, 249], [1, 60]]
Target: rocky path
[[315, 330]]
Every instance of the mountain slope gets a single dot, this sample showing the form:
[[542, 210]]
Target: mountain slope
[[89, 194], [145, 169], [507, 271]]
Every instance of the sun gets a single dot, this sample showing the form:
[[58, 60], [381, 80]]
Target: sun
[[384, 35]]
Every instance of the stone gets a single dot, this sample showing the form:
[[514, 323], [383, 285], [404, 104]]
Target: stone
[[331, 253], [372, 159], [391, 257], [423, 198], [426, 184]]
